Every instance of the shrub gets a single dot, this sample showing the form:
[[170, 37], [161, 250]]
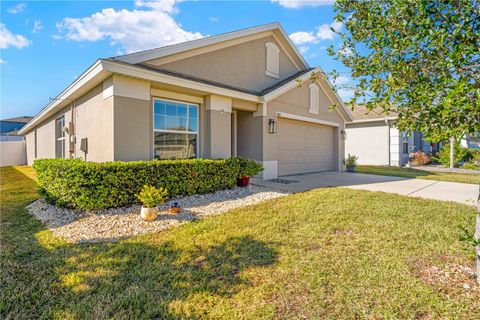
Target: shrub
[[471, 165], [350, 161], [249, 168], [151, 196], [460, 154], [420, 158], [90, 185]]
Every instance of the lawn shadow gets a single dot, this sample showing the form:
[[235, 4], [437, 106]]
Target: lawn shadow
[[142, 280]]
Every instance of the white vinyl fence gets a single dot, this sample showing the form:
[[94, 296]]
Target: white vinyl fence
[[12, 153]]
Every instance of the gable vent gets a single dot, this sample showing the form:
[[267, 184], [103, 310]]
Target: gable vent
[[273, 61]]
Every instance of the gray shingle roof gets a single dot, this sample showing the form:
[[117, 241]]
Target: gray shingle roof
[[361, 112]]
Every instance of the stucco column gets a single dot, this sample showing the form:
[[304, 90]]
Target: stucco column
[[268, 142], [218, 127]]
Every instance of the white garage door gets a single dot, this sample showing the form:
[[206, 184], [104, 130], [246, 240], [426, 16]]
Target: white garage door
[[305, 147]]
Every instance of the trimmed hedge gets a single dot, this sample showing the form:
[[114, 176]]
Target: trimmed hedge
[[90, 185]]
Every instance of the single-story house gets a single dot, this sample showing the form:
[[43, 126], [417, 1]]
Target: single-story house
[[10, 127], [373, 137], [234, 94]]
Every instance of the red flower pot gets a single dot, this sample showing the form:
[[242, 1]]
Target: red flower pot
[[243, 181]]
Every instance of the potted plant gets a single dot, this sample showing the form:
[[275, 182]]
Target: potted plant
[[151, 197], [248, 168], [350, 162]]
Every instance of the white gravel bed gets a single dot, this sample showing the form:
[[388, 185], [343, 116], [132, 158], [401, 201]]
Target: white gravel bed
[[113, 224], [440, 168]]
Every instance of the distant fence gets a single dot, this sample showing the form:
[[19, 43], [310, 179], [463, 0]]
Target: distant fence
[[12, 153]]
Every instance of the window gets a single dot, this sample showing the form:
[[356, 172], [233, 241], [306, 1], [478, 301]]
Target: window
[[272, 64], [314, 99], [60, 137], [175, 130]]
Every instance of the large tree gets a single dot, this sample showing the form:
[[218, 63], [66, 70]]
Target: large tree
[[419, 58]]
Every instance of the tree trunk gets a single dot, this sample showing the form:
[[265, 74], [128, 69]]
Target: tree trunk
[[452, 145]]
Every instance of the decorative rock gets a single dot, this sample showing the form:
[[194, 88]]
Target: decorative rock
[[119, 223]]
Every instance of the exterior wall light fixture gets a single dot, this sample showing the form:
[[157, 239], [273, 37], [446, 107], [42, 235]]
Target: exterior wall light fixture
[[272, 126]]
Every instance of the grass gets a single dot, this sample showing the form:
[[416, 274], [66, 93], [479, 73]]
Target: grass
[[328, 253], [420, 174]]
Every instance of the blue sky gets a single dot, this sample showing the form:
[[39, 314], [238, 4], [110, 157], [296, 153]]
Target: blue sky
[[45, 45]]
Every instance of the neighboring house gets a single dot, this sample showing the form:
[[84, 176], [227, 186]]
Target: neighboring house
[[471, 141], [10, 127], [12, 145], [235, 94], [373, 137]]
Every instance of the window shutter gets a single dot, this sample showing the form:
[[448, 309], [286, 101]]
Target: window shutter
[[314, 99], [273, 61]]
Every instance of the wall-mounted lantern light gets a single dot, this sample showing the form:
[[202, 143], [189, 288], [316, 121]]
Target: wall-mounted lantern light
[[343, 133], [272, 126]]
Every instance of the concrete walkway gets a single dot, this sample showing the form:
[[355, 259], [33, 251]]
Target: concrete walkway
[[438, 190]]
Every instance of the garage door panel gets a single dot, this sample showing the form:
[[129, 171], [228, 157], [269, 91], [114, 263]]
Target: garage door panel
[[305, 147]]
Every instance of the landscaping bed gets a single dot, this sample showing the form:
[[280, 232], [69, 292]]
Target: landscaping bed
[[330, 253], [113, 224]]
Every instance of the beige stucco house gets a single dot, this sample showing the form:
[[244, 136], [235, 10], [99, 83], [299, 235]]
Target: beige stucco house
[[235, 94]]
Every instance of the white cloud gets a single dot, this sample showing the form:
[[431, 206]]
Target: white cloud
[[303, 49], [133, 30], [213, 19], [303, 37], [2, 61], [342, 80], [18, 8], [345, 51], [325, 32], [294, 4], [346, 94], [37, 26], [8, 39], [167, 6]]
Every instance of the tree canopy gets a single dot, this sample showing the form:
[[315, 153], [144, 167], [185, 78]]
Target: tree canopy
[[419, 58]]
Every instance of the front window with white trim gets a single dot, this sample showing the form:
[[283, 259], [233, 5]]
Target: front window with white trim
[[60, 137], [273, 60], [175, 129]]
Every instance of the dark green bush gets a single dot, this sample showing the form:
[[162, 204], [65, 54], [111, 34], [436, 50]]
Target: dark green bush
[[90, 185]]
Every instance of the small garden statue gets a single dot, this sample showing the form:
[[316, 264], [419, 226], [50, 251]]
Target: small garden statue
[[151, 197]]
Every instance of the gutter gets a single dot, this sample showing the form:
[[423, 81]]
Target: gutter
[[92, 71]]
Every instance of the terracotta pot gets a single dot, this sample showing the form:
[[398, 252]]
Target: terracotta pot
[[174, 210], [243, 181], [148, 214]]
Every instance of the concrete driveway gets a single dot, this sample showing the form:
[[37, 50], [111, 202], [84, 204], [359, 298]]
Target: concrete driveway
[[438, 190]]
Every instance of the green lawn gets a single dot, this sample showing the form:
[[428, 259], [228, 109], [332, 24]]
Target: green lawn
[[328, 253], [420, 174]]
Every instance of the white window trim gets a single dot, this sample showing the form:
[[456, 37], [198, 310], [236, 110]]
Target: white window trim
[[197, 145], [314, 97], [62, 138], [270, 71], [306, 119]]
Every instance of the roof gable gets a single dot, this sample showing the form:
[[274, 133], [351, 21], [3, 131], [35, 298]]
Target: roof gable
[[157, 53]]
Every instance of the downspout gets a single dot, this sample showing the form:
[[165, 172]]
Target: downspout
[[389, 145], [73, 137]]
